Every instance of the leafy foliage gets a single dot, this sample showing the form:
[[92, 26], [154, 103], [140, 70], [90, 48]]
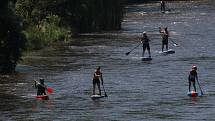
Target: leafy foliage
[[12, 40]]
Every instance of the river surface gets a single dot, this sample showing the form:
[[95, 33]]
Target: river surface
[[137, 90]]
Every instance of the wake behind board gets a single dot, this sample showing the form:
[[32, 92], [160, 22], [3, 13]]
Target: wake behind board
[[146, 58], [170, 51], [193, 94], [42, 97], [96, 96]]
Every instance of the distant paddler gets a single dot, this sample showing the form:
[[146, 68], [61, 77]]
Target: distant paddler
[[97, 76], [193, 76], [145, 44], [165, 37], [41, 87], [163, 6]]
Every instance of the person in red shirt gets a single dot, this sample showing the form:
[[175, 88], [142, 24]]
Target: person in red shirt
[[97, 76], [193, 76]]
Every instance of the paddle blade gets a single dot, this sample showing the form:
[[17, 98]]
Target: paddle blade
[[176, 45], [49, 90], [106, 95], [127, 53]]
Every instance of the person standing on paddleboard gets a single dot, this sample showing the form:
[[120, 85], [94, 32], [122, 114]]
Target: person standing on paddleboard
[[97, 76], [193, 76], [163, 7], [41, 87], [165, 36], [145, 41]]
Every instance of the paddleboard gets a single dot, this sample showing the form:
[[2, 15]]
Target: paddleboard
[[192, 94], [97, 96], [42, 97], [146, 58], [170, 51]]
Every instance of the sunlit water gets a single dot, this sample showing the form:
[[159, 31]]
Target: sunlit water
[[136, 90]]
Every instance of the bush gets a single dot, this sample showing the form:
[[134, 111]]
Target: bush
[[46, 33]]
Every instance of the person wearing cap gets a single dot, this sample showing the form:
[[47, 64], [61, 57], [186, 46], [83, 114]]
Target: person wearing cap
[[41, 88], [145, 41], [165, 35], [97, 76], [193, 76]]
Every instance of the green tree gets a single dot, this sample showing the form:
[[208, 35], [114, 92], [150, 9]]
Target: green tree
[[12, 40], [83, 15]]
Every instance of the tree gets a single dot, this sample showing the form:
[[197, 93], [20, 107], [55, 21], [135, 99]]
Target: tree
[[12, 40]]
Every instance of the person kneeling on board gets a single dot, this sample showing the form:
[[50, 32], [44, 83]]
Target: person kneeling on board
[[41, 87], [165, 36], [145, 41], [97, 76], [193, 77]]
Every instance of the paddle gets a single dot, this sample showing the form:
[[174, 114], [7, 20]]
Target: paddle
[[199, 87], [103, 86], [49, 90], [175, 44], [132, 49]]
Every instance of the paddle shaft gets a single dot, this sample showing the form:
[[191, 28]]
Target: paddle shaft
[[133, 49], [103, 86], [174, 43], [199, 86]]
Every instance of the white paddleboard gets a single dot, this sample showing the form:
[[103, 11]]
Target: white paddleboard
[[170, 51], [96, 96]]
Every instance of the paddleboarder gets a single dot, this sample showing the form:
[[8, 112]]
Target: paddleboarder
[[163, 6], [193, 76], [97, 76], [165, 35], [41, 87], [145, 41]]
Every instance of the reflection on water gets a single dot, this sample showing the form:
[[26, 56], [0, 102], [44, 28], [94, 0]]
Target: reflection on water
[[136, 90]]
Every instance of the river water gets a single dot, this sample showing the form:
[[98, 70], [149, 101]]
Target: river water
[[137, 90]]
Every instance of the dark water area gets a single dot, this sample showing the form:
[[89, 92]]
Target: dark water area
[[137, 90]]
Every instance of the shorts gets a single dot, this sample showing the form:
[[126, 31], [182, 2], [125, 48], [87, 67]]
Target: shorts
[[191, 79], [146, 46], [96, 81], [165, 41]]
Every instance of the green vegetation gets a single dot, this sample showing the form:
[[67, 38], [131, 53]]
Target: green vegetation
[[12, 40], [46, 33], [36, 24]]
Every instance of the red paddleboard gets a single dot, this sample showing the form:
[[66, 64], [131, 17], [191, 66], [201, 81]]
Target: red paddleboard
[[42, 97], [192, 94]]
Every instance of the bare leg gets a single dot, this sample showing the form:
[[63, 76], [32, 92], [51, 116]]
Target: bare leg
[[189, 85], [194, 85], [143, 53], [149, 53], [162, 47], [98, 84], [94, 87]]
